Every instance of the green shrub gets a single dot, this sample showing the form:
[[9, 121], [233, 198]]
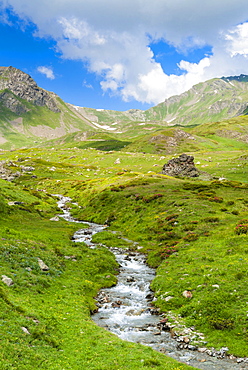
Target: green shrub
[[242, 227]]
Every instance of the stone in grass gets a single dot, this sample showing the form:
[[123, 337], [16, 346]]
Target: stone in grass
[[168, 298], [25, 330], [55, 218], [7, 280], [42, 265], [187, 294], [181, 166]]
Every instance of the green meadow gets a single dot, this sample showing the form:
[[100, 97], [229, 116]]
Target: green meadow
[[193, 231]]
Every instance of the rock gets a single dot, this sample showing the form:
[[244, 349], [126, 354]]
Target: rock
[[187, 294], [216, 286], [118, 161], [27, 168], [202, 349], [130, 279], [15, 83], [73, 258], [168, 298], [186, 340], [239, 360], [55, 218], [116, 304], [181, 166], [42, 265], [6, 280], [25, 330], [192, 348], [149, 297]]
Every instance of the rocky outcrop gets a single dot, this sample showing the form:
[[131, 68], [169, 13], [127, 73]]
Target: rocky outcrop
[[181, 166], [16, 84], [6, 173]]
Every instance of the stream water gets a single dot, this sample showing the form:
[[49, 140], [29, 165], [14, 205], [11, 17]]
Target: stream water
[[126, 309]]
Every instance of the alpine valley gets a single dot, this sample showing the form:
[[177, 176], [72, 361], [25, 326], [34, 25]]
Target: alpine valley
[[170, 182]]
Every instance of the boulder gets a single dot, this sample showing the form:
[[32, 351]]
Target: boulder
[[181, 166]]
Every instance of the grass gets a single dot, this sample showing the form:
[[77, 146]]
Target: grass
[[178, 224], [54, 306]]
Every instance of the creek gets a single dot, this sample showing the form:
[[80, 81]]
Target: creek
[[127, 311]]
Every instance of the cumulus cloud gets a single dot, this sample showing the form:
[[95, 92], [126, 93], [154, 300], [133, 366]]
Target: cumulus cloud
[[47, 71], [112, 38]]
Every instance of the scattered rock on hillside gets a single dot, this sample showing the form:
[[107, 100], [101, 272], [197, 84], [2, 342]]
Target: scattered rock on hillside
[[181, 166], [42, 265], [25, 330], [6, 280], [187, 294], [55, 218], [7, 174]]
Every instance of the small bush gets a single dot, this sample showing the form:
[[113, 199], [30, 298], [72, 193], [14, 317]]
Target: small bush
[[211, 219], [216, 199], [242, 227], [190, 237]]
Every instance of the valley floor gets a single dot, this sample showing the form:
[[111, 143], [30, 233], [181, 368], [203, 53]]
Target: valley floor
[[193, 231]]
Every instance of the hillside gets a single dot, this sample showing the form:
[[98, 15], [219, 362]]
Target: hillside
[[192, 230], [30, 115], [213, 100]]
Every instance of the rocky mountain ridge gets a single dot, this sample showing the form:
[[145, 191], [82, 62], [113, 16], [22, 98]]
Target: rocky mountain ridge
[[15, 83], [212, 100]]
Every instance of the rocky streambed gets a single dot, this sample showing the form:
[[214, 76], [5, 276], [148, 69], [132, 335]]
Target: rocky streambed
[[127, 310]]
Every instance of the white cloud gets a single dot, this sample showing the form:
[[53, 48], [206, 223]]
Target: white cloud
[[238, 40], [113, 38], [47, 71]]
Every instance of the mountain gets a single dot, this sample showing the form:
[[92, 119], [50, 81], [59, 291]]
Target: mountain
[[30, 115], [213, 100]]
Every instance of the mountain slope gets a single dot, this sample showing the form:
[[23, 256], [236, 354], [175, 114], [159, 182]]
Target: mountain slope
[[29, 113], [213, 100]]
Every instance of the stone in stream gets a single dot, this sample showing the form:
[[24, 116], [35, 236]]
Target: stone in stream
[[116, 304], [130, 279]]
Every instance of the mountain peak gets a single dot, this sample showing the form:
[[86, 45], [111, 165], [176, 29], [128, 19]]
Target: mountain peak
[[14, 81], [240, 78]]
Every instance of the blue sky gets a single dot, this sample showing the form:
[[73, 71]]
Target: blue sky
[[125, 55]]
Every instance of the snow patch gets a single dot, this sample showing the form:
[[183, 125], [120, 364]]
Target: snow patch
[[104, 127], [170, 120]]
